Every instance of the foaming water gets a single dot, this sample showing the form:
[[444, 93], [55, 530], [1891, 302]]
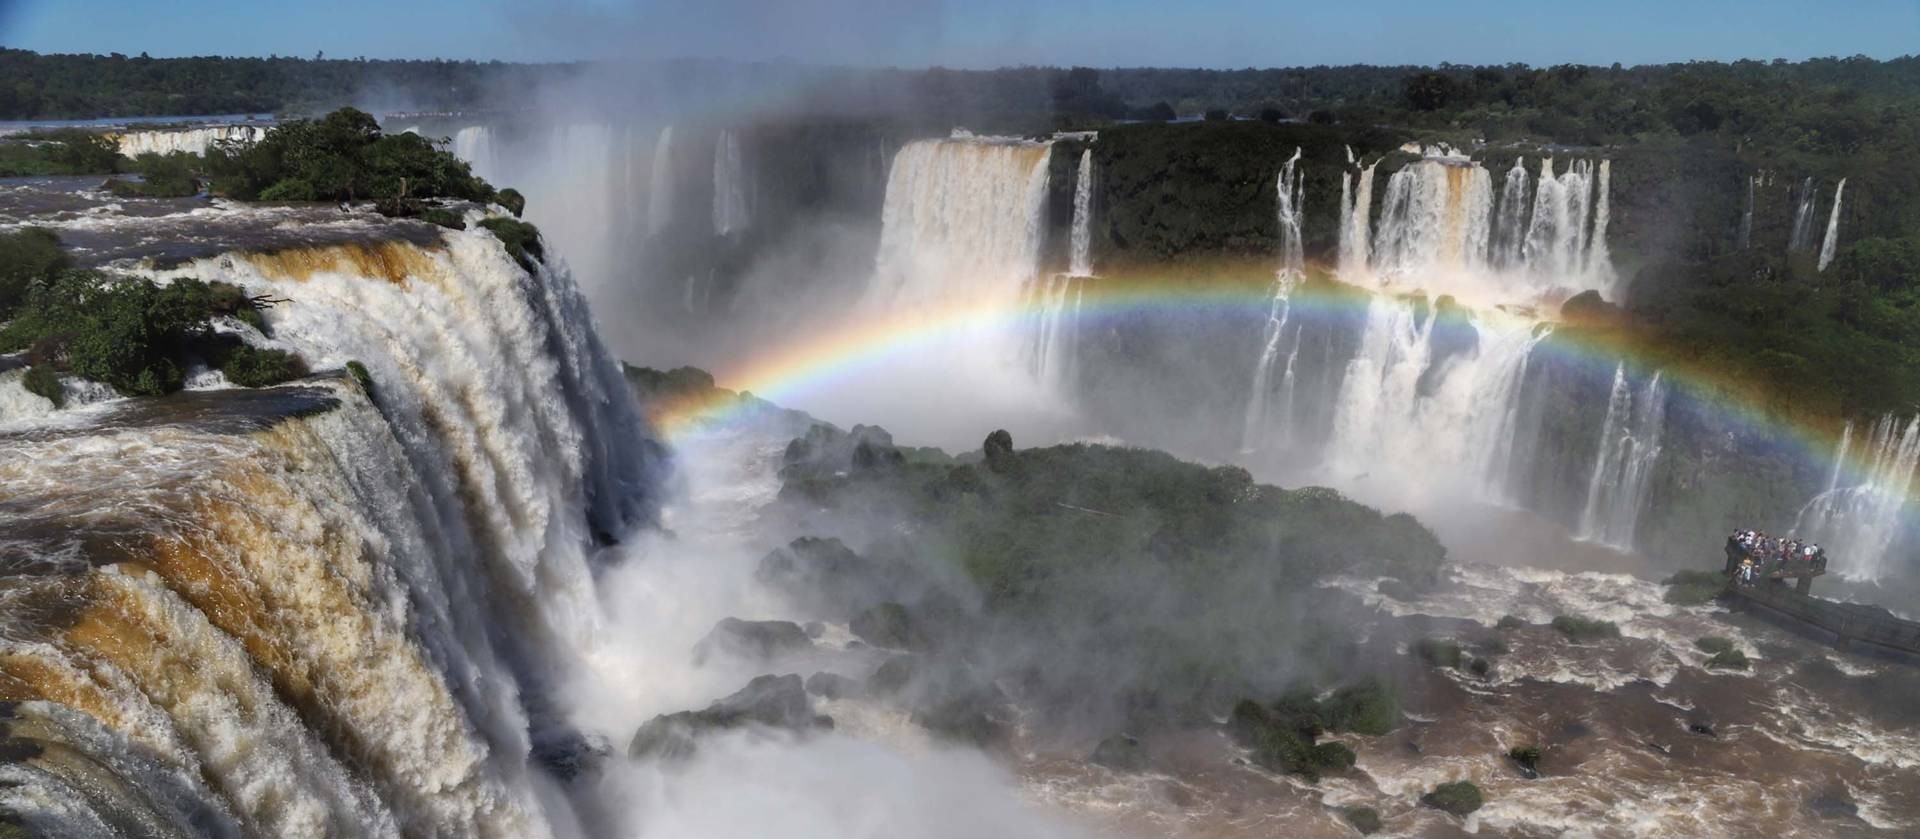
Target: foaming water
[[333, 610]]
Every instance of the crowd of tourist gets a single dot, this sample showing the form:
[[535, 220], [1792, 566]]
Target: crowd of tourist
[[1753, 555]]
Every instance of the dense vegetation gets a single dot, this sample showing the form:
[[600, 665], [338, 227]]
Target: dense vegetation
[[1166, 590], [65, 151], [343, 156], [130, 333]]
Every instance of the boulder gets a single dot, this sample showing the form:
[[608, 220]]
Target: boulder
[[1120, 753], [887, 625], [999, 451], [771, 701], [752, 640], [833, 686], [893, 676]]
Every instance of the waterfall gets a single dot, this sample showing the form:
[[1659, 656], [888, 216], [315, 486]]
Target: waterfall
[[1801, 237], [1861, 524], [1356, 211], [1051, 350], [1598, 264], [1431, 393], [189, 140], [1510, 227], [963, 221], [1558, 237], [660, 186], [1623, 468], [1832, 240], [1080, 264], [1287, 197], [1745, 238], [1436, 219], [303, 611], [729, 185], [1287, 193]]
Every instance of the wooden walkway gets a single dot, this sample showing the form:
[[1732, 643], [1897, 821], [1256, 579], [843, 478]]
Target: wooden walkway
[[1851, 623]]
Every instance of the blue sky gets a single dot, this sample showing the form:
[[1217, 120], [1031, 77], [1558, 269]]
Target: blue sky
[[980, 33]]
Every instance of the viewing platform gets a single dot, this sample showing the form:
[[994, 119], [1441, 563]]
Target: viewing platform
[[1851, 626]]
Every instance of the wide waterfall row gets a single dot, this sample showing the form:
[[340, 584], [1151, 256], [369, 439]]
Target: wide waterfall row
[[302, 612], [1623, 470], [1862, 516], [1443, 227], [188, 140]]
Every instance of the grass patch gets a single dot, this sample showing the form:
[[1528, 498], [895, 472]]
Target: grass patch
[[1440, 652]]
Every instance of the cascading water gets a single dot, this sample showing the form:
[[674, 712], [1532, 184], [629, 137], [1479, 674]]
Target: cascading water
[[1861, 524], [1832, 240], [1618, 490], [1356, 213], [660, 186], [962, 222], [729, 185], [1510, 227], [188, 140], [1435, 221], [1287, 194], [1801, 237], [1080, 262], [298, 612], [1431, 393], [1744, 239]]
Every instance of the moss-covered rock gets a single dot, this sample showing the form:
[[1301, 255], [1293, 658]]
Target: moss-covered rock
[[1729, 659], [521, 239], [752, 640], [1440, 652], [1120, 753], [1460, 798], [41, 381], [1363, 819], [1692, 588], [1585, 629]]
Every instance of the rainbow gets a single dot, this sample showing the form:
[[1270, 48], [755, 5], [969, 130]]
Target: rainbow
[[788, 374]]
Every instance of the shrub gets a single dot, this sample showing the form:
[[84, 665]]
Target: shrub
[[288, 189], [1459, 798], [41, 381], [512, 200], [1216, 115], [1527, 756], [26, 255], [1364, 819], [231, 300], [1333, 757], [1480, 667], [1585, 629], [522, 239], [250, 366], [1509, 622]]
